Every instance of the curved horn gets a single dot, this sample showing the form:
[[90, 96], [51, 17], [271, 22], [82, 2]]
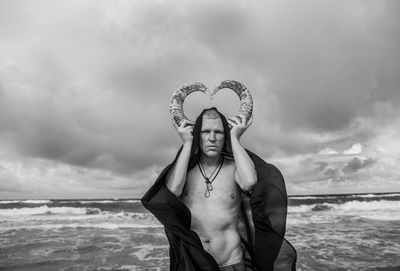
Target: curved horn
[[179, 96], [246, 101]]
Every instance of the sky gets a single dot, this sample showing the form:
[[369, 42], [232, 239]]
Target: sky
[[85, 87]]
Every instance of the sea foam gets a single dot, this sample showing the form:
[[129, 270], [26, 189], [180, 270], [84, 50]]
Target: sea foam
[[42, 210], [350, 206]]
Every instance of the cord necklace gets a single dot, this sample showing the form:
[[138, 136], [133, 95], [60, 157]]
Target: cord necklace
[[209, 186]]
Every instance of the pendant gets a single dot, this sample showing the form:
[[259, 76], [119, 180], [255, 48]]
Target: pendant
[[209, 185], [208, 189]]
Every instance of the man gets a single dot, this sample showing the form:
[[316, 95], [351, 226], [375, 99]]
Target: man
[[222, 206], [211, 190]]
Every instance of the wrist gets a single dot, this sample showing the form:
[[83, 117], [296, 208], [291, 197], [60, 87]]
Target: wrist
[[187, 144], [235, 139]]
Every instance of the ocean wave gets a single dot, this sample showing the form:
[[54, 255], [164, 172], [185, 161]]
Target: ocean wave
[[390, 195], [107, 201], [303, 197], [369, 205], [378, 195], [312, 197], [367, 196], [105, 225], [347, 206], [29, 201], [45, 210], [97, 201], [68, 215], [9, 201], [131, 201], [384, 216], [370, 195]]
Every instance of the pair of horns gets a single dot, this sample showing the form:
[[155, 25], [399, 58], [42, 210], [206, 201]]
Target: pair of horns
[[179, 96]]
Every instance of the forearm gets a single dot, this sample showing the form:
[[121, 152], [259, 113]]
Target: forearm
[[176, 177], [244, 166]]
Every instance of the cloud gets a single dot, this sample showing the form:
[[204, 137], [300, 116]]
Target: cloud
[[87, 84], [328, 151], [354, 149], [356, 164]]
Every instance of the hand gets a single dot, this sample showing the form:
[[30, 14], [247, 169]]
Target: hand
[[239, 125], [185, 131]]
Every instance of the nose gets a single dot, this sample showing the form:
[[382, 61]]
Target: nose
[[212, 137]]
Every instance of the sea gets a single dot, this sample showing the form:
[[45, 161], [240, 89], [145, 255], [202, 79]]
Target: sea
[[329, 232]]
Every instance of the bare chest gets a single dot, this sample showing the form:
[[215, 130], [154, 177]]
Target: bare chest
[[221, 194]]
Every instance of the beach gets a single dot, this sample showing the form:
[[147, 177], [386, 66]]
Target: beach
[[329, 232]]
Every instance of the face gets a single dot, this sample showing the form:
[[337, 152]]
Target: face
[[212, 136]]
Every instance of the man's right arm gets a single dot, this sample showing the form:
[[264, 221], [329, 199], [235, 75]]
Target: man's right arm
[[176, 177]]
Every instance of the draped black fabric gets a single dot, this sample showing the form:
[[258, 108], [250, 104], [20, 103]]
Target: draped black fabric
[[262, 221]]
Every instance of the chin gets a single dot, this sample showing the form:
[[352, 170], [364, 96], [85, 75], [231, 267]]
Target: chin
[[212, 153]]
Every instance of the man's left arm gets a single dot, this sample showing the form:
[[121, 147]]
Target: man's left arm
[[245, 173]]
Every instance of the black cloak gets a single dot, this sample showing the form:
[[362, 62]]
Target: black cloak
[[262, 220]]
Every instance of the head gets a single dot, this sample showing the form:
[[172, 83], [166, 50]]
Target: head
[[222, 144]]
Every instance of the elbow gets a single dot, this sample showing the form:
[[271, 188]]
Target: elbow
[[251, 182]]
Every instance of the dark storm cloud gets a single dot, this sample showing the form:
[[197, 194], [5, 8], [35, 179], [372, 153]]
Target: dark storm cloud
[[356, 164], [89, 85], [326, 63], [340, 171], [334, 174], [83, 140]]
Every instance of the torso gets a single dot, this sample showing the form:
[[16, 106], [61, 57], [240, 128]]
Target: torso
[[215, 219]]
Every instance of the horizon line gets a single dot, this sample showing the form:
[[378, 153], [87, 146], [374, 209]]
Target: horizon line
[[116, 199]]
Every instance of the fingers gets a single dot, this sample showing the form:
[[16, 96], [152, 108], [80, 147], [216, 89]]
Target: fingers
[[233, 121], [230, 121], [174, 122], [186, 126], [246, 122], [239, 121], [250, 121], [183, 124], [186, 123]]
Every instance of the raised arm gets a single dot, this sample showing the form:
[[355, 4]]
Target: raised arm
[[176, 177], [245, 173]]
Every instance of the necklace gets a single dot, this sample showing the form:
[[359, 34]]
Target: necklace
[[209, 186]]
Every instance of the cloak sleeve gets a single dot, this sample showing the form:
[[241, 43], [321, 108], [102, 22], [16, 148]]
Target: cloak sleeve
[[263, 218], [268, 203], [186, 251]]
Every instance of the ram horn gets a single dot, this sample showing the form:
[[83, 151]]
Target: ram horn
[[179, 96], [246, 101]]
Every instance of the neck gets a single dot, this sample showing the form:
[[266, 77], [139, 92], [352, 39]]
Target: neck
[[210, 161]]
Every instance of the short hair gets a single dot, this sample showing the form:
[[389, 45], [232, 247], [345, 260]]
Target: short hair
[[211, 113]]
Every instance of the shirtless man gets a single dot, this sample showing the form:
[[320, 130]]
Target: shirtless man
[[211, 190]]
